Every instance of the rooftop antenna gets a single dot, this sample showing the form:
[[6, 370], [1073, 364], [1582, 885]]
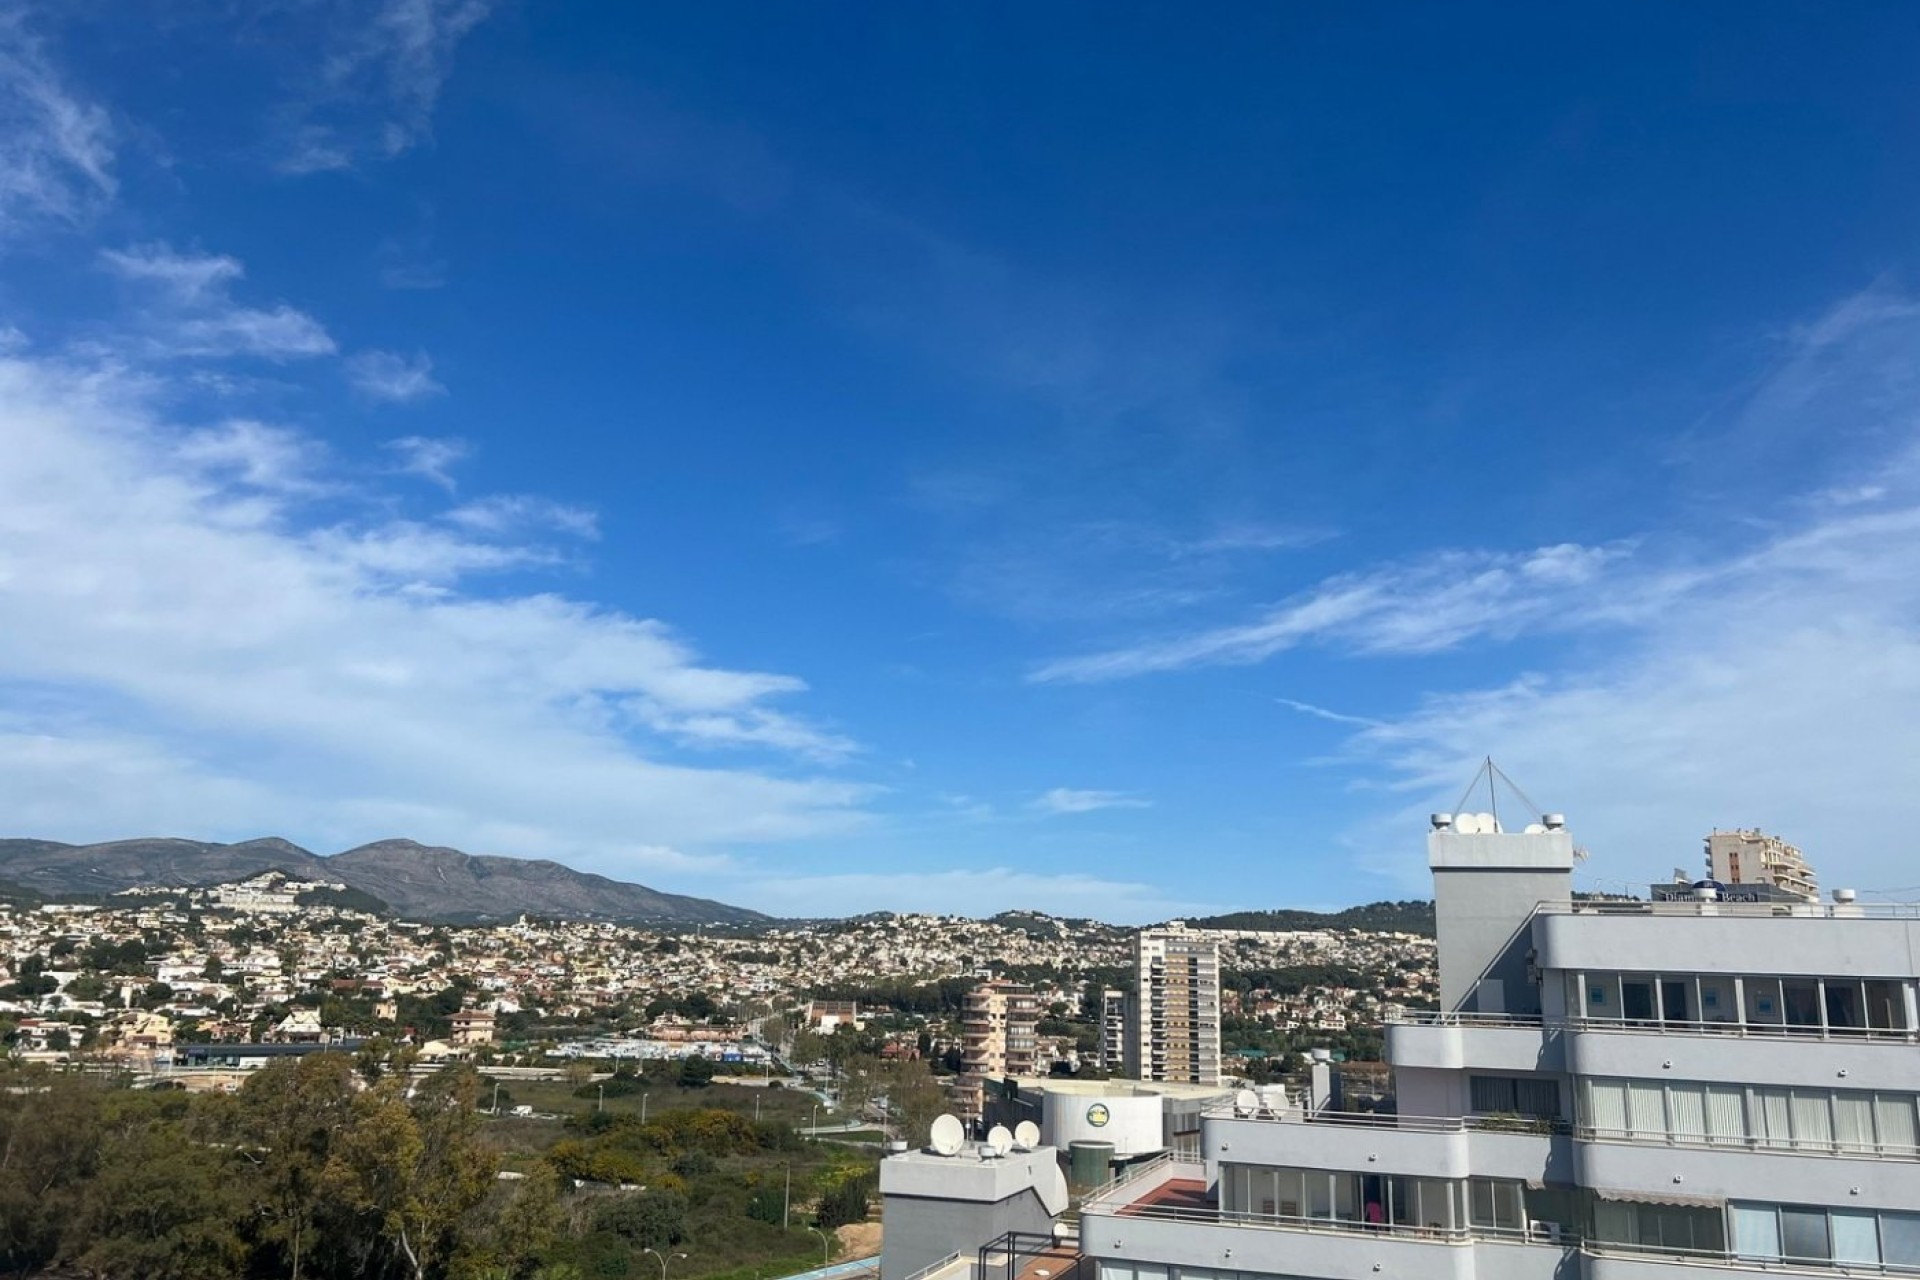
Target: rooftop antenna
[[1491, 773]]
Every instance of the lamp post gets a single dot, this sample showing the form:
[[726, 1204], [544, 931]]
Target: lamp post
[[826, 1243], [603, 1098], [496, 1097], [663, 1259], [814, 1128], [643, 1108]]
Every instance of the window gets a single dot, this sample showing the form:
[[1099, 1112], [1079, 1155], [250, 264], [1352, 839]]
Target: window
[[1523, 1096], [1803, 1234], [1494, 1203]]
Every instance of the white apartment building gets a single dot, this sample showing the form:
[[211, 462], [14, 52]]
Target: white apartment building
[[1616, 1090], [1113, 1030], [1173, 1023]]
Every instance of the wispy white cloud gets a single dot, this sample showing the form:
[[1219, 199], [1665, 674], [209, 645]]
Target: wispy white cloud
[[393, 377], [179, 624], [381, 72], [429, 457], [56, 148], [1070, 800], [191, 311], [1775, 682], [1424, 605], [508, 513]]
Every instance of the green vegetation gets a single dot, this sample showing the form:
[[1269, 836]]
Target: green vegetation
[[329, 1167], [1413, 916]]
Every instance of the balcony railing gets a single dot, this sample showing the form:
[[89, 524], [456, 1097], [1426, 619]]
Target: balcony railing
[[1714, 1260], [1655, 1026], [1430, 1234], [1775, 910], [1229, 1109], [1764, 1146]]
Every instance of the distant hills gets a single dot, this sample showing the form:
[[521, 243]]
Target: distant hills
[[418, 881], [1374, 917]]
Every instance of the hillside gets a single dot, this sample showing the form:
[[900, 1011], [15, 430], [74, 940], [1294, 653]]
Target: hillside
[[417, 881], [1375, 917]]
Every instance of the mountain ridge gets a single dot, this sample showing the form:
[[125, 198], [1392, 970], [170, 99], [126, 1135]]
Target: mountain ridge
[[419, 881]]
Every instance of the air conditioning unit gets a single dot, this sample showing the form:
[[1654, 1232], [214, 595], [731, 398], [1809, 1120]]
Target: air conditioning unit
[[1548, 1231]]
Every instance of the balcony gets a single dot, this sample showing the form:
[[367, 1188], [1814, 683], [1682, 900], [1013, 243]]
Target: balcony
[[1166, 1215], [1424, 1146], [1649, 1262]]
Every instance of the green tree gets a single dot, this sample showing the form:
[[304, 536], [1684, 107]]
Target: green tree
[[415, 1169], [288, 1115], [159, 1208]]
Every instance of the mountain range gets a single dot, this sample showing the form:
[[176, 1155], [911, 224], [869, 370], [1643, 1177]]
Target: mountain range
[[417, 881]]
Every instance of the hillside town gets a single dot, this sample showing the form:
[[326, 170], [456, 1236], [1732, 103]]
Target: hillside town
[[147, 975]]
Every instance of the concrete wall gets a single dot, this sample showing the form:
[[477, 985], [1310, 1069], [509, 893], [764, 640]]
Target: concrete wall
[[1803, 946], [920, 1232], [1485, 889], [1271, 1251]]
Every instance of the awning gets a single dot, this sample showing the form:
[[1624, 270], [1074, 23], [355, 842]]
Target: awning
[[1641, 1196]]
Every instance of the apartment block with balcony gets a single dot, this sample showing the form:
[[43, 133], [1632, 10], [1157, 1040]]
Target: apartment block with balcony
[[1611, 1089], [998, 1038], [1752, 857], [1173, 1028]]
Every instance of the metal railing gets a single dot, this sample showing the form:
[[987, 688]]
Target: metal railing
[[933, 1267], [1749, 1143], [1722, 1261], [1225, 1108], [1658, 1026], [1741, 910], [1163, 1163], [1429, 1234]]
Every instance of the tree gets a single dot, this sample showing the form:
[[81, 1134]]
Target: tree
[[696, 1072], [159, 1208], [649, 1220], [50, 1130], [288, 1115], [415, 1170], [914, 1100]]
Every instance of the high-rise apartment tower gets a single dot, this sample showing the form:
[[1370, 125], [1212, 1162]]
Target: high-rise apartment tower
[[1173, 1030]]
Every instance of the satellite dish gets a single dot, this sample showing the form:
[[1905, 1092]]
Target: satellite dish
[[1000, 1139], [1245, 1102], [1026, 1134], [949, 1135]]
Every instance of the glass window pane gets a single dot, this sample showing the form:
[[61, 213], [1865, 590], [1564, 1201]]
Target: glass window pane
[[1812, 1118], [1646, 1107], [1726, 1113], [1636, 999], [1893, 1122], [1773, 1116], [1856, 1236], [1607, 1106], [1803, 1234], [1802, 999], [1538, 1098], [1853, 1121], [1900, 1239], [1687, 1106], [1756, 1231]]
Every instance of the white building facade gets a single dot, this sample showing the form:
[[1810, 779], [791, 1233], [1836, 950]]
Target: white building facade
[[1617, 1090]]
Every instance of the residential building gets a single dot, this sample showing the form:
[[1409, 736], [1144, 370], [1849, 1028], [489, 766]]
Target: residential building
[[1619, 1089], [1173, 1029], [1752, 856], [1113, 1030], [997, 1036]]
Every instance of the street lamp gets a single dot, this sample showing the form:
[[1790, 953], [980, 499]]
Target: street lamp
[[603, 1097], [663, 1259], [826, 1243], [813, 1130], [643, 1108]]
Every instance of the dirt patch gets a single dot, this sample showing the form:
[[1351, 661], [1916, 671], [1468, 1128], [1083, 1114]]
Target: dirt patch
[[858, 1239]]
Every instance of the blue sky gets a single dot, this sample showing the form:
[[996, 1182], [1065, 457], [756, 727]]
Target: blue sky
[[1119, 460]]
